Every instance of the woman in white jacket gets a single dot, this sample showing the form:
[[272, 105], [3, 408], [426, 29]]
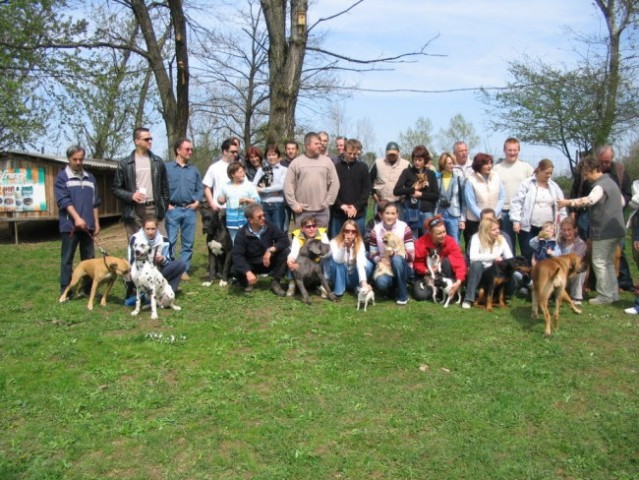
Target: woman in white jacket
[[534, 204]]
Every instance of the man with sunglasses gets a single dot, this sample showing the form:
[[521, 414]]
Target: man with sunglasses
[[141, 184], [259, 247], [216, 176]]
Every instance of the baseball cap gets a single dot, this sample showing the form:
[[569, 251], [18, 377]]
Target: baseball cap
[[392, 147]]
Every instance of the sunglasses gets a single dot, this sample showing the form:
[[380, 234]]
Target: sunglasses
[[310, 225], [350, 230], [148, 139]]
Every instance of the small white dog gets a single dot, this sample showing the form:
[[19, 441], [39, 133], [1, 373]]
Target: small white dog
[[365, 295], [147, 278]]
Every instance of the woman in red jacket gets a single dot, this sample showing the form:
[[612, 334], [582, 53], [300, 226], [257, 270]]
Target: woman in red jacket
[[452, 260]]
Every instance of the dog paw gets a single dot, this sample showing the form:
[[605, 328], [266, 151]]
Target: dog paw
[[333, 298], [89, 307], [223, 283], [578, 311], [154, 317], [175, 307], [207, 284], [135, 312]]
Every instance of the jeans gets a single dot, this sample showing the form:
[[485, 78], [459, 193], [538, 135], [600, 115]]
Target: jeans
[[401, 271], [524, 238], [275, 213], [340, 277], [173, 271], [475, 272], [67, 252], [181, 219], [603, 252], [452, 225]]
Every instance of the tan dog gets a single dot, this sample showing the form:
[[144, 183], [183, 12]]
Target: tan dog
[[422, 181], [550, 277], [393, 245], [100, 270]]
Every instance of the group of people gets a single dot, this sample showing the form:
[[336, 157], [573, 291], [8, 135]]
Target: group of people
[[493, 207]]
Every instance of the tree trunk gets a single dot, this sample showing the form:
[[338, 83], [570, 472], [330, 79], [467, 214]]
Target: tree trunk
[[175, 105], [286, 58]]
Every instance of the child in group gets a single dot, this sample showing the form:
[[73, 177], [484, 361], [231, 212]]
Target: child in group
[[237, 194], [544, 244]]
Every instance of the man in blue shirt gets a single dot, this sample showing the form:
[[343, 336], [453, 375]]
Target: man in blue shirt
[[76, 193], [185, 193]]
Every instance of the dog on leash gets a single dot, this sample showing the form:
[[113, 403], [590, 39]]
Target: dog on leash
[[393, 245], [99, 270], [219, 245], [147, 278], [496, 278], [550, 277], [364, 296], [309, 271]]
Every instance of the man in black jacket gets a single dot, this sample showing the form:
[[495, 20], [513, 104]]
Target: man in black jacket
[[260, 247], [141, 184]]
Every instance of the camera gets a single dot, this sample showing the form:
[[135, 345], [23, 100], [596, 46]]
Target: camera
[[444, 203]]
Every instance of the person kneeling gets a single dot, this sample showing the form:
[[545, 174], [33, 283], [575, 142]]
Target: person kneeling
[[260, 247]]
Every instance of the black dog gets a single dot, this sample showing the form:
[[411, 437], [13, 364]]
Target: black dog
[[309, 272], [496, 278], [219, 245]]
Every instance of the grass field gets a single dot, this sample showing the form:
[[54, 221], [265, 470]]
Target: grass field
[[259, 387]]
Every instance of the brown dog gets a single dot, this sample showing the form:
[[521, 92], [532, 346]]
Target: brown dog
[[100, 270], [392, 245], [550, 277]]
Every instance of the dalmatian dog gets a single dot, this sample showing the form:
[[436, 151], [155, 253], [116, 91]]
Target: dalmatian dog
[[147, 278]]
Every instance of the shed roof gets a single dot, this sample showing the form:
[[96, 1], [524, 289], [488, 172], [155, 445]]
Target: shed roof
[[95, 163]]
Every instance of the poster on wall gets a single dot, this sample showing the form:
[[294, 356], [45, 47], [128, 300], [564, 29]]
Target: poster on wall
[[22, 190]]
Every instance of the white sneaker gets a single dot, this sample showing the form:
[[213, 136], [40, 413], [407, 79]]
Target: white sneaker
[[466, 305], [600, 301], [322, 291], [631, 311], [577, 302], [402, 302]]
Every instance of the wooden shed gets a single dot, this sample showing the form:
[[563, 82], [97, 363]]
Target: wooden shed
[[26, 187]]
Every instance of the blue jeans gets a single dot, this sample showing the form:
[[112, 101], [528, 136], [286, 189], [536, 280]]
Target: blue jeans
[[181, 219], [275, 213], [340, 277], [173, 271], [452, 225], [475, 272], [67, 252], [401, 271]]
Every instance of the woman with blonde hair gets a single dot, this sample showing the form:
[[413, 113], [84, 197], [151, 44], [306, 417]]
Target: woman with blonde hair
[[451, 204], [486, 247], [348, 267]]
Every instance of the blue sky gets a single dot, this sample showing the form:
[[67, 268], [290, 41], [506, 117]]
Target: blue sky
[[477, 39]]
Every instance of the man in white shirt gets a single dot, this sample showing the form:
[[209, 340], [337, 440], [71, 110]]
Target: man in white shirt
[[216, 175], [512, 172], [463, 167]]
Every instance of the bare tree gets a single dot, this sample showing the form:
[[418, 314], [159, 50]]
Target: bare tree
[[288, 31]]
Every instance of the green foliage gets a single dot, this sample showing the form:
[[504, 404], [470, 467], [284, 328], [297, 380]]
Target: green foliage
[[236, 386], [27, 65], [420, 135], [459, 129]]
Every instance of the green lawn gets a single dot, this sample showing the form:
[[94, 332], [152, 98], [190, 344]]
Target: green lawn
[[259, 387]]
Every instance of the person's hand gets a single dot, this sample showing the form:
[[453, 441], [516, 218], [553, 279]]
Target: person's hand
[[139, 197], [266, 258], [292, 265], [516, 227], [499, 258], [563, 203], [454, 287], [80, 224], [251, 278], [462, 225], [298, 209], [97, 230]]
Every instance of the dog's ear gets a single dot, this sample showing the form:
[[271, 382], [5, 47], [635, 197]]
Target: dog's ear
[[113, 267]]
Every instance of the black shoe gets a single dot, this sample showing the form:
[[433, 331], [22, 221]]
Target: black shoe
[[277, 289]]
